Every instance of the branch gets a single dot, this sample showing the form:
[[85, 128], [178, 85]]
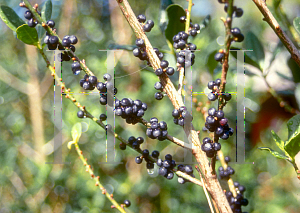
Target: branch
[[269, 18], [213, 185]]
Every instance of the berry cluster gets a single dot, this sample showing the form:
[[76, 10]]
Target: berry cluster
[[214, 86], [141, 53], [217, 123], [31, 20], [186, 169], [237, 202], [209, 147], [180, 115], [147, 27], [166, 167], [158, 130], [194, 28], [181, 60], [130, 110], [225, 173], [145, 155]]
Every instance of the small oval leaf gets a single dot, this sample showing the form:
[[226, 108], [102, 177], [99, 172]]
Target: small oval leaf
[[47, 10], [27, 34], [278, 141], [174, 26], [292, 146], [10, 18], [296, 23], [258, 54], [274, 153]]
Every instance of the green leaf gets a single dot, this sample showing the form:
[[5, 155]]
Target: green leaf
[[41, 31], [296, 23], [278, 141], [47, 10], [292, 146], [274, 153], [211, 63], [205, 22], [76, 132], [297, 94], [276, 3], [10, 18], [258, 54], [247, 58], [163, 17], [27, 34], [174, 26]]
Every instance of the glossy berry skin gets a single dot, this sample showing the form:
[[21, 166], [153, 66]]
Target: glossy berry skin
[[158, 96], [182, 19], [151, 23], [212, 111], [73, 39], [220, 114], [180, 60], [158, 86], [227, 159], [193, 32], [240, 38], [28, 15], [51, 23], [103, 117], [31, 23], [140, 140], [159, 71], [227, 96], [140, 42], [239, 12], [138, 160], [147, 28], [93, 80], [196, 26], [170, 71], [53, 40], [75, 66], [145, 153], [155, 154], [80, 114], [212, 97], [219, 56], [46, 39], [66, 42], [211, 85], [127, 203], [141, 18], [137, 52], [122, 146], [235, 31], [164, 64]]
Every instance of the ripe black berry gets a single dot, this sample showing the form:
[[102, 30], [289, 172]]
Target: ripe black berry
[[227, 159], [141, 18], [32, 23], [138, 160], [193, 32], [158, 85], [53, 40], [155, 154], [220, 114], [66, 42], [227, 96], [170, 71], [73, 39], [145, 153], [75, 66], [127, 203], [140, 140], [182, 19], [196, 26], [212, 97], [159, 71], [51, 23], [137, 52], [239, 12], [235, 31], [164, 64], [28, 15], [80, 114], [147, 28], [158, 96], [219, 56], [212, 111], [139, 42], [93, 80], [211, 85], [239, 38], [122, 146], [103, 117], [151, 23]]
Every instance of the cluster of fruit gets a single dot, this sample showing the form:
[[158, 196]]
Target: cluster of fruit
[[158, 130], [237, 202], [31, 20], [166, 167], [147, 27], [180, 115], [186, 169], [209, 147], [194, 28]]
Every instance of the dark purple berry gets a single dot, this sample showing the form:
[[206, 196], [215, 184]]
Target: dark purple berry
[[158, 96], [28, 15], [127, 203], [159, 71], [51, 23], [164, 64], [73, 39], [138, 160], [141, 18], [219, 56], [139, 42], [80, 114], [170, 71]]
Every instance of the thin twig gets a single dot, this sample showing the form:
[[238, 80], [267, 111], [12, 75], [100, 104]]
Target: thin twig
[[96, 179], [269, 18]]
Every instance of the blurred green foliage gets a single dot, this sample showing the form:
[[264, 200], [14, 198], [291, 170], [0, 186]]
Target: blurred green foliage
[[27, 184]]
